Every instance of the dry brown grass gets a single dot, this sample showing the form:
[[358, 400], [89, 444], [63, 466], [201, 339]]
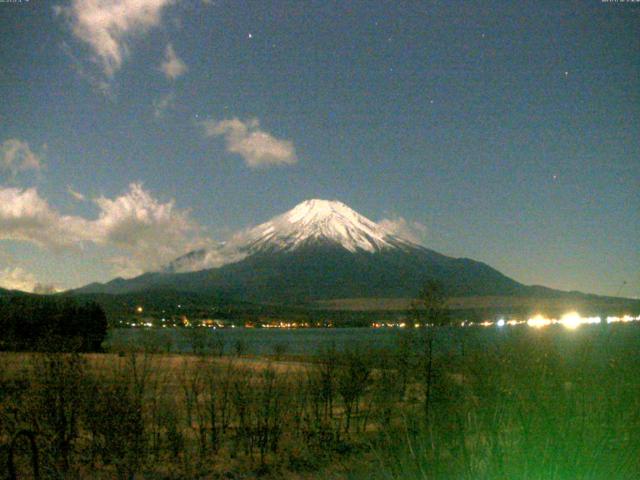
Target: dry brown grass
[[15, 362], [490, 415]]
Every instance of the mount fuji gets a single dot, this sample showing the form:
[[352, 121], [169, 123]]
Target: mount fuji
[[312, 222], [319, 250]]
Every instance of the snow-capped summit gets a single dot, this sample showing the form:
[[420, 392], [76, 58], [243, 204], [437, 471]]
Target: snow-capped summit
[[320, 221], [318, 250], [310, 222]]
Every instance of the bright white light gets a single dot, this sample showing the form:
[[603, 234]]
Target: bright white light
[[538, 321], [592, 320], [571, 320], [500, 322]]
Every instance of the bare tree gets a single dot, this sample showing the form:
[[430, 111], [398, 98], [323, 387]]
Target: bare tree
[[431, 313]]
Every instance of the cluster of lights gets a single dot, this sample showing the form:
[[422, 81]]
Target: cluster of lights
[[624, 319], [394, 325], [282, 324], [571, 321], [285, 325], [141, 324]]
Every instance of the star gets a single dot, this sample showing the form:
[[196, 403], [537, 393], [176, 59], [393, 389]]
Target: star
[[250, 36]]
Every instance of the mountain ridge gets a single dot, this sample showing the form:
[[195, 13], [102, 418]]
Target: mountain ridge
[[320, 250]]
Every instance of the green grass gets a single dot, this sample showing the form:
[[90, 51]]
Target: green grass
[[532, 407]]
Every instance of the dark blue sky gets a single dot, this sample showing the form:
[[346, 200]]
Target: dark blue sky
[[502, 131]]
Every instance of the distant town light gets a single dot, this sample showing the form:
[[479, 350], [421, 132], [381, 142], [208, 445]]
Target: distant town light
[[571, 320], [624, 319], [538, 321], [500, 322]]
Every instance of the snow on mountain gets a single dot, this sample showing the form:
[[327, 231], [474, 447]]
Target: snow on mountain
[[319, 220], [312, 221], [319, 250]]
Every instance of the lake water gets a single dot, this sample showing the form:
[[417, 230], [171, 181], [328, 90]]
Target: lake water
[[315, 340]]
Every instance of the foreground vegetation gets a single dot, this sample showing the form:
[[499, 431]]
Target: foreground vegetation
[[33, 322], [546, 404]]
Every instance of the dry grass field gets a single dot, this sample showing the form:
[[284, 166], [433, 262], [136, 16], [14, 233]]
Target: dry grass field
[[539, 404]]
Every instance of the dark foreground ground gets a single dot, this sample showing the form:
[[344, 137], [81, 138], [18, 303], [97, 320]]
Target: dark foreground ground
[[533, 404]]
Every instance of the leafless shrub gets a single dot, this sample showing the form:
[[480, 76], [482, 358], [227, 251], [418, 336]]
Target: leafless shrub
[[240, 347], [353, 377], [279, 349], [218, 381], [57, 402]]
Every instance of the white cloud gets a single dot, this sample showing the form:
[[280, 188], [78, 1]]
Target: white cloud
[[75, 194], [25, 216], [123, 266], [95, 80], [107, 26], [16, 156], [172, 66], [17, 278], [144, 231], [257, 147], [400, 227], [162, 104], [151, 232]]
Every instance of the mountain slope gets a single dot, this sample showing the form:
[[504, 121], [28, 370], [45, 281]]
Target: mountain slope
[[317, 271], [318, 250], [311, 222]]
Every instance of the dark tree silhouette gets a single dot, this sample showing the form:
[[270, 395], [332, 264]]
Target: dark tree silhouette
[[430, 310], [44, 323]]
